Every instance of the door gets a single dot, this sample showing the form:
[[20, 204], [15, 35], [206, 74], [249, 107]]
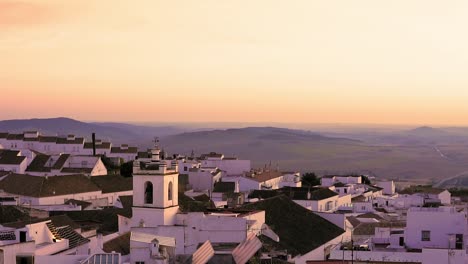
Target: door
[[22, 235], [402, 241]]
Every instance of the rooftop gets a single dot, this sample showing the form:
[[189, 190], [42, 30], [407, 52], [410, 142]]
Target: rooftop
[[34, 186], [295, 193], [299, 229], [10, 157]]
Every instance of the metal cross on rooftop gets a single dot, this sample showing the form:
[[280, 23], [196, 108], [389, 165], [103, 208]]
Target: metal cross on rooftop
[[156, 141]]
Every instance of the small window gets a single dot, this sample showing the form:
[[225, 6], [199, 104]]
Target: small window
[[185, 168], [425, 235], [345, 190], [169, 192], [148, 193], [139, 262]]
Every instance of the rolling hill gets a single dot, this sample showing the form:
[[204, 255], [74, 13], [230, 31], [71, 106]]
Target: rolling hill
[[116, 132]]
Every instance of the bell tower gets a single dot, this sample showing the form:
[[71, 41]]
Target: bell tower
[[155, 190]]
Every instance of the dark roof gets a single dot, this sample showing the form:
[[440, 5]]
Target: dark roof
[[15, 137], [105, 220], [295, 193], [126, 201], [224, 187], [63, 220], [57, 221], [266, 175], [113, 183], [3, 135], [359, 198], [188, 204], [299, 229], [370, 215], [11, 213], [339, 184], [77, 170], [38, 164], [61, 161], [35, 186], [120, 244], [48, 139], [127, 150], [74, 239], [103, 145], [10, 157], [144, 154], [368, 229]]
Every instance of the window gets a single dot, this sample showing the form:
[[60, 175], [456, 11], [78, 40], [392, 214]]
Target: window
[[185, 168], [148, 193], [345, 190], [139, 262], [169, 191], [363, 207], [425, 235]]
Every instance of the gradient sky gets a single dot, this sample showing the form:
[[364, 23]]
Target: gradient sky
[[361, 61]]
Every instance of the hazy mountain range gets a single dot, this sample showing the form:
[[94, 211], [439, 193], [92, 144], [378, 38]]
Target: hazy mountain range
[[418, 154]]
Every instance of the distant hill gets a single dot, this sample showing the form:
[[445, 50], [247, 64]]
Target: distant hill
[[260, 144], [426, 131], [116, 132]]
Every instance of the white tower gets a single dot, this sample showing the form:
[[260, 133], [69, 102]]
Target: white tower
[[155, 191]]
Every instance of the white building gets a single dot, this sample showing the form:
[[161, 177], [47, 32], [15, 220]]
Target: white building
[[265, 179], [203, 179], [431, 235], [230, 165], [47, 192], [388, 187], [442, 227], [329, 180], [66, 164], [70, 144]]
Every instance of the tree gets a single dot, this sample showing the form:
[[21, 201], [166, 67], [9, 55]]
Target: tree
[[365, 180], [126, 169], [310, 179]]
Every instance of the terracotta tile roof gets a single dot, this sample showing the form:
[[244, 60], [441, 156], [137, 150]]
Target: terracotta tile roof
[[34, 186]]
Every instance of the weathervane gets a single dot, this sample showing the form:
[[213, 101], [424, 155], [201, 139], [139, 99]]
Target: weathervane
[[156, 142]]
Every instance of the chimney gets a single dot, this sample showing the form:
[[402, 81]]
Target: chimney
[[93, 136]]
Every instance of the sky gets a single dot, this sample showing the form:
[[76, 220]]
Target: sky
[[302, 61]]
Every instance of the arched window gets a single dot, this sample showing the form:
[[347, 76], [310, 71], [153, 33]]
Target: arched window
[[169, 191], [148, 193]]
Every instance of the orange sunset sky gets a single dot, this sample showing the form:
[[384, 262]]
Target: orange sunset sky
[[324, 61]]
